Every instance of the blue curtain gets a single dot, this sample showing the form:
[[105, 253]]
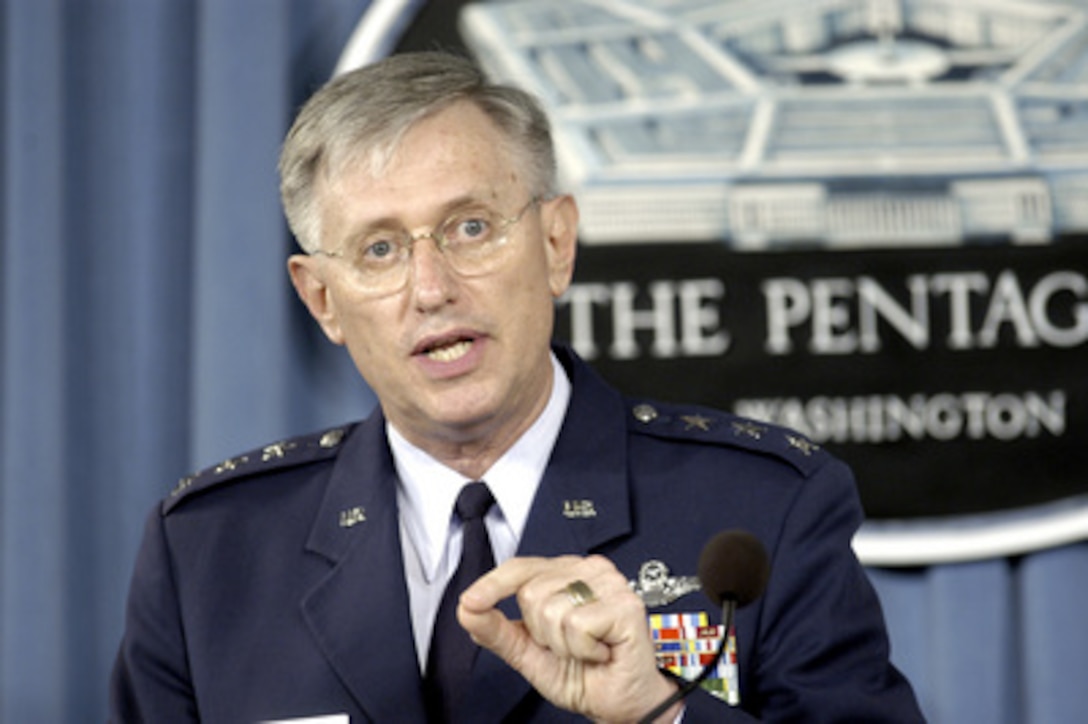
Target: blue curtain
[[147, 329]]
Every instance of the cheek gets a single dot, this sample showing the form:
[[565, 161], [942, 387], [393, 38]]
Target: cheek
[[527, 288], [530, 304], [358, 325], [372, 356]]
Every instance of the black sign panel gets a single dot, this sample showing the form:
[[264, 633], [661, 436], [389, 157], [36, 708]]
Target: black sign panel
[[953, 380]]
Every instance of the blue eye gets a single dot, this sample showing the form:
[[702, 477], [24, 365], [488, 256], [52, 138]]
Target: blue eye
[[379, 249], [474, 227], [468, 228]]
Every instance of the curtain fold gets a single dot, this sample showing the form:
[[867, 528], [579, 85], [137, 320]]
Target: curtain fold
[[148, 329], [34, 421], [147, 325]]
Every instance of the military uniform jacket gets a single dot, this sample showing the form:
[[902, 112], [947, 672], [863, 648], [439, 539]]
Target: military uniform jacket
[[271, 586]]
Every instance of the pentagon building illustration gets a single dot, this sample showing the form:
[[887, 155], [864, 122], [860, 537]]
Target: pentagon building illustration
[[807, 123]]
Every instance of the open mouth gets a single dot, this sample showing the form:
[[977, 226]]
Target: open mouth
[[449, 351], [446, 348]]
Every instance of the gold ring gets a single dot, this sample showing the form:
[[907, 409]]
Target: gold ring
[[579, 593]]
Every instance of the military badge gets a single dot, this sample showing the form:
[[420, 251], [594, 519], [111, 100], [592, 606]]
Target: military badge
[[657, 588], [686, 642]]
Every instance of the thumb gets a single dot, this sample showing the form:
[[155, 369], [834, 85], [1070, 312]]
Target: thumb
[[490, 629]]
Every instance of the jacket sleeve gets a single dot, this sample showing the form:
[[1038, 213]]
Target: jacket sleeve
[[150, 680], [822, 652]]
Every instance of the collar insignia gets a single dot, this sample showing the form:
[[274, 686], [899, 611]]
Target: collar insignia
[[579, 509], [352, 517]]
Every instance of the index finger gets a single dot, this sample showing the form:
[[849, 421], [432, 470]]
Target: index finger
[[508, 578]]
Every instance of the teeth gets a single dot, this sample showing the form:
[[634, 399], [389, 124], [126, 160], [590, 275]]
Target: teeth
[[451, 352]]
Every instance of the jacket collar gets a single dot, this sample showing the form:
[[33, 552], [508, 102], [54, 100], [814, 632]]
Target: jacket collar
[[359, 613]]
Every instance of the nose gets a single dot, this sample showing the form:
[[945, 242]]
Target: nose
[[433, 281]]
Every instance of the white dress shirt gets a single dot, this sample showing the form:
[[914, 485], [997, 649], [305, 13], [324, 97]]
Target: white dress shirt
[[430, 533]]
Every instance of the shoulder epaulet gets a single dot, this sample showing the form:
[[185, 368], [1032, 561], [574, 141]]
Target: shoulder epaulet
[[278, 455], [699, 424]]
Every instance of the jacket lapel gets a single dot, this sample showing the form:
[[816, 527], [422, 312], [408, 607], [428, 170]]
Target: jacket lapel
[[582, 504], [359, 613]]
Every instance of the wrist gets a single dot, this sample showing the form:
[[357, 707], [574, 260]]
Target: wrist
[[673, 684]]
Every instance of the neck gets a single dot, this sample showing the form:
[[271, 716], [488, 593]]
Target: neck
[[472, 450]]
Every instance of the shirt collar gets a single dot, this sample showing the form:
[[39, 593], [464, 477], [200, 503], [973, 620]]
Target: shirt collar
[[427, 489]]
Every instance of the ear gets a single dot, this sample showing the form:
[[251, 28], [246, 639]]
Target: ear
[[314, 292], [560, 217]]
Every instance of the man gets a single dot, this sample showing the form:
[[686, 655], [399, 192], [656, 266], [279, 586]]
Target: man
[[306, 579]]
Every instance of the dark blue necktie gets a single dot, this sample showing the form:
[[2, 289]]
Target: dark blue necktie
[[452, 653]]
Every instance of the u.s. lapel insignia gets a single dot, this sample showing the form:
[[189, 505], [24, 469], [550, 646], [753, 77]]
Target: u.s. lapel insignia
[[352, 517], [656, 587], [579, 509]]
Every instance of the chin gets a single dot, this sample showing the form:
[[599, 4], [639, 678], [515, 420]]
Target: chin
[[465, 411]]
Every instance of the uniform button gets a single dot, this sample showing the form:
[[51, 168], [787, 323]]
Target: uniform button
[[332, 438], [644, 413]]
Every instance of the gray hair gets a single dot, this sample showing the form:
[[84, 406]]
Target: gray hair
[[361, 116]]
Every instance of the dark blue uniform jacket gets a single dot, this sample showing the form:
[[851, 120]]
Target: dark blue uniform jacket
[[271, 586]]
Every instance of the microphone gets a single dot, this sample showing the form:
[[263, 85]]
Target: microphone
[[733, 571], [733, 567]]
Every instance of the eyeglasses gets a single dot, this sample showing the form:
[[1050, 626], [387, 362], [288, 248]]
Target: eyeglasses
[[473, 241]]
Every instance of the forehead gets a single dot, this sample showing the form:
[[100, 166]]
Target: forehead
[[456, 153]]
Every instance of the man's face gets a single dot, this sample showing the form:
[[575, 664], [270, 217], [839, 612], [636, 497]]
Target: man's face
[[452, 359]]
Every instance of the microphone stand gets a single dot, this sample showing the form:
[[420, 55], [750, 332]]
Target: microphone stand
[[729, 608]]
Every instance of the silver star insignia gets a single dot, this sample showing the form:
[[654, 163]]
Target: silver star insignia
[[750, 429], [276, 450], [230, 464], [807, 447], [696, 421]]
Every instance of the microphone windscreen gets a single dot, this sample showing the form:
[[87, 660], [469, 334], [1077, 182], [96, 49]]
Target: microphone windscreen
[[733, 565]]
